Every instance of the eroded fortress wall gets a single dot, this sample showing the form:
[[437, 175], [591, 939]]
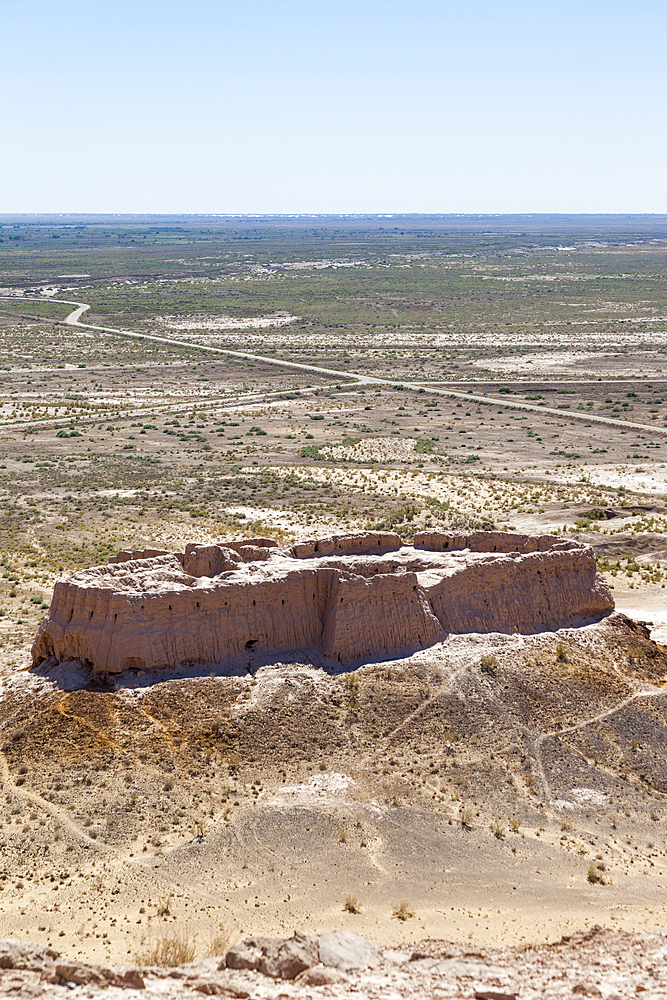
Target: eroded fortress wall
[[346, 598]]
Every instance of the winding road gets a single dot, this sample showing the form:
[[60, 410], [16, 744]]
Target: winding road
[[74, 319]]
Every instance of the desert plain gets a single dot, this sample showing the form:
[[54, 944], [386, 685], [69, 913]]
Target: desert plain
[[296, 378]]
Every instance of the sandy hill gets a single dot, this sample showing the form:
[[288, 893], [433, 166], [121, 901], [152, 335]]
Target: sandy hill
[[499, 787]]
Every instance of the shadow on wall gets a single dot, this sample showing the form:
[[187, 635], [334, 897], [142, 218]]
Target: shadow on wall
[[334, 603]]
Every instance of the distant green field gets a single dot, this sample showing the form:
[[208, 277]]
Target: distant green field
[[111, 441], [509, 279]]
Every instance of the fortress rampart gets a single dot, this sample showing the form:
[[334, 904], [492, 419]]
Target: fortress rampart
[[346, 598]]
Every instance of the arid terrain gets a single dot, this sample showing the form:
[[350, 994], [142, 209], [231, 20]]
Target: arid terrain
[[294, 379]]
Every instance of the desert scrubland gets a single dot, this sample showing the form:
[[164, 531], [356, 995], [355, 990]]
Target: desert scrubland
[[401, 374]]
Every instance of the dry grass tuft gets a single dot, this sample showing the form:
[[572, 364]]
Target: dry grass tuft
[[218, 944], [594, 874], [465, 816], [171, 949], [498, 830], [402, 911]]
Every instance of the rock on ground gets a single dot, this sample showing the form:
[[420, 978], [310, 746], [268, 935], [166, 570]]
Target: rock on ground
[[612, 965]]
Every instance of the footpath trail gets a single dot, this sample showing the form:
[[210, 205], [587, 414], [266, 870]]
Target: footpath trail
[[60, 815], [74, 319], [149, 410], [644, 692]]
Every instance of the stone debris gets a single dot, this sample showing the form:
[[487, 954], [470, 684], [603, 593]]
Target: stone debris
[[287, 959], [321, 975], [25, 955], [348, 952], [31, 958], [612, 965], [82, 974], [345, 599]]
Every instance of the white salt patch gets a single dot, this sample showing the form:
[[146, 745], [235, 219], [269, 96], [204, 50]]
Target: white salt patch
[[372, 450], [227, 322], [318, 787], [588, 797]]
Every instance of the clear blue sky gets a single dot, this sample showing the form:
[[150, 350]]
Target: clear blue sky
[[366, 106]]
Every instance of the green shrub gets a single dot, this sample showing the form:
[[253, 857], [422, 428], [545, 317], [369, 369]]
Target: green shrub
[[489, 663], [351, 682], [424, 446]]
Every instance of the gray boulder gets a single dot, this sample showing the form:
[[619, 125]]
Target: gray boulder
[[321, 975], [245, 955], [278, 958], [348, 952], [82, 974], [25, 955], [290, 957]]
